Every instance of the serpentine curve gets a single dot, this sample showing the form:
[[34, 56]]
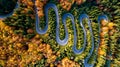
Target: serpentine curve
[[65, 40]]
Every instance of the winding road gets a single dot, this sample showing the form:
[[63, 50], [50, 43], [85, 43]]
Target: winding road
[[65, 40]]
